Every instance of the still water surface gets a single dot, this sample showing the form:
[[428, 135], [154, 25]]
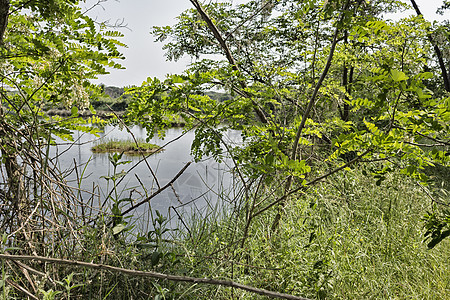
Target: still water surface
[[195, 191]]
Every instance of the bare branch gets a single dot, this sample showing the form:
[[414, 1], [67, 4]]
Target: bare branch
[[302, 188], [445, 75], [427, 192], [149, 274], [307, 111], [230, 34], [262, 117], [22, 289], [318, 85], [157, 192]]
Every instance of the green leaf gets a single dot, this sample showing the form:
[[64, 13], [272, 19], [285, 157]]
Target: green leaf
[[269, 159], [74, 111], [118, 228], [398, 75], [156, 255], [177, 79], [422, 95]]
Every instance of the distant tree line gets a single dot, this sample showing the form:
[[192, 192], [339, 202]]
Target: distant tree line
[[115, 98]]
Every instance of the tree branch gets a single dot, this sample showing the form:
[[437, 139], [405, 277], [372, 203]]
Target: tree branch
[[230, 34], [149, 274], [157, 192], [318, 85], [261, 115], [303, 188], [445, 75], [306, 113]]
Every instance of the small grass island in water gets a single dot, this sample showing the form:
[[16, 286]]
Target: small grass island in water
[[129, 147]]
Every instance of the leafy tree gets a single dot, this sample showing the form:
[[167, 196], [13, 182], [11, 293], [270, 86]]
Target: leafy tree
[[313, 82]]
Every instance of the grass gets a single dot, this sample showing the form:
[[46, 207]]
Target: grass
[[347, 239], [125, 146]]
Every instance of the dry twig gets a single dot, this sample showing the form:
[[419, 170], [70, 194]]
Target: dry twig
[[149, 274]]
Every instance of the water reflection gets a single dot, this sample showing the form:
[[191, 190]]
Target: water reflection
[[195, 190]]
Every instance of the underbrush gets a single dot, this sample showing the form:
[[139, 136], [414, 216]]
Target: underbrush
[[349, 238]]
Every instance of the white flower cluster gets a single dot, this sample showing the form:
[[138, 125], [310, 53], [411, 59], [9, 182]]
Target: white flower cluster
[[446, 53], [37, 82], [38, 69], [72, 90], [80, 95], [6, 68], [55, 54], [441, 40]]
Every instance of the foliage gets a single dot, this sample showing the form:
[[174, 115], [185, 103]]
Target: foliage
[[345, 128], [349, 238], [437, 227], [113, 98], [330, 75], [107, 104], [48, 53]]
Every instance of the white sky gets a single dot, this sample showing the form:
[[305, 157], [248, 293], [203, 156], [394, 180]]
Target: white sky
[[144, 57]]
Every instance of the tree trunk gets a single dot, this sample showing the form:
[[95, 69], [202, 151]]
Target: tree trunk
[[347, 80], [4, 12], [15, 187]]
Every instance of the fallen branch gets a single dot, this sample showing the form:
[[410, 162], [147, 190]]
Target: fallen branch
[[22, 289], [227, 283]]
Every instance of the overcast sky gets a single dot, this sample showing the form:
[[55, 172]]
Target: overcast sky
[[144, 57]]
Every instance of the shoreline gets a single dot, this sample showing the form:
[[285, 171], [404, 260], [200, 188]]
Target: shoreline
[[102, 114]]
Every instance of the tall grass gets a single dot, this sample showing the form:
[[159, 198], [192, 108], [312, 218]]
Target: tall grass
[[347, 239]]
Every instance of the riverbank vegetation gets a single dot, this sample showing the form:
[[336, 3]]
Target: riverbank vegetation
[[341, 178], [348, 239]]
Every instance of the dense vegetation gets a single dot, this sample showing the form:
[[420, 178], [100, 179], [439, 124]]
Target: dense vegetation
[[343, 169]]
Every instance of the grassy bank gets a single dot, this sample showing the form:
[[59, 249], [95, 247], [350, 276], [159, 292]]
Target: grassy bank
[[125, 146], [347, 239]]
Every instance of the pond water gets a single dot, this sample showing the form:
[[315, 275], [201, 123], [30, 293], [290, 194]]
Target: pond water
[[195, 191]]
